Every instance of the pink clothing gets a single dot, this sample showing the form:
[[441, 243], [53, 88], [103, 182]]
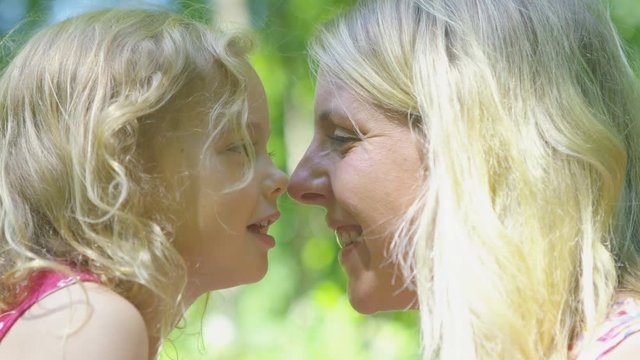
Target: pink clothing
[[623, 321], [40, 285]]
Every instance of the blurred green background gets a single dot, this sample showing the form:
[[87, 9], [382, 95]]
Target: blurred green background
[[299, 310]]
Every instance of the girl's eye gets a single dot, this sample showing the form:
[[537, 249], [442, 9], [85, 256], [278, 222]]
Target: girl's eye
[[236, 148], [239, 148]]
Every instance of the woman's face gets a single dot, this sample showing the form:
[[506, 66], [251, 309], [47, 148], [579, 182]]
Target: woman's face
[[364, 176], [221, 233]]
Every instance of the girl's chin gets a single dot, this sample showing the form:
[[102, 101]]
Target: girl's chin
[[203, 283]]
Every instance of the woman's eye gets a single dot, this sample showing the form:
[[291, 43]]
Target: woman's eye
[[343, 137]]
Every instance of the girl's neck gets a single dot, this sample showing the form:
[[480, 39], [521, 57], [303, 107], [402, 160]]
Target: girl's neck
[[153, 318]]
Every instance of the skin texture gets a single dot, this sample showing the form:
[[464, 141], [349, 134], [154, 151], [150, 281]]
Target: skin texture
[[627, 350], [213, 235], [102, 324], [365, 182]]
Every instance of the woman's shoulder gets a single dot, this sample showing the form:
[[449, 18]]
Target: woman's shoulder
[[626, 350], [78, 321], [618, 338]]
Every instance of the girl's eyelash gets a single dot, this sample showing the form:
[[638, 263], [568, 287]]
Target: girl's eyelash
[[272, 154], [234, 148], [240, 148], [237, 148]]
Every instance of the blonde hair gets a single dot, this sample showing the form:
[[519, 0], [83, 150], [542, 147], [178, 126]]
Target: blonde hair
[[525, 223], [73, 103]]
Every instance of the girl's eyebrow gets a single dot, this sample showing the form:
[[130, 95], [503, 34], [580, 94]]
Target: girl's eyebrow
[[257, 128]]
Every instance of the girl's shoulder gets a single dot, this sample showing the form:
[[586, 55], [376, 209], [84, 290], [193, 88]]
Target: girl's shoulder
[[618, 337], [76, 321]]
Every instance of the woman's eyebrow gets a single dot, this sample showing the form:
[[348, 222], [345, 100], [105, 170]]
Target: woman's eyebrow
[[332, 116], [325, 115]]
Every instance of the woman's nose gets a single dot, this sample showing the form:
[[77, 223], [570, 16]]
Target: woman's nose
[[309, 183]]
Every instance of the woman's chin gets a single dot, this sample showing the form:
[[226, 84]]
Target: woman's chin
[[370, 301], [363, 306]]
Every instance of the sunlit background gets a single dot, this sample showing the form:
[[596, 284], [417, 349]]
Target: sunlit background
[[299, 310]]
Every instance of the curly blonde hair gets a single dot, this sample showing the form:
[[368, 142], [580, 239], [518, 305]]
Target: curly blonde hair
[[526, 222], [73, 189]]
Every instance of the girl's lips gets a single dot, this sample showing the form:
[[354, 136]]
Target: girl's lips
[[267, 220], [261, 227], [266, 240]]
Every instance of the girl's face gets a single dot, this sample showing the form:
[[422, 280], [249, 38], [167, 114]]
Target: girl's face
[[221, 233], [365, 182]]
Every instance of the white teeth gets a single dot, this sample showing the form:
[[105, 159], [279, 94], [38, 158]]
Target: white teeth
[[261, 227], [348, 237], [265, 223]]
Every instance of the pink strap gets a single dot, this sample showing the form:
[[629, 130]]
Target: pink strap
[[617, 334], [41, 284], [622, 322]]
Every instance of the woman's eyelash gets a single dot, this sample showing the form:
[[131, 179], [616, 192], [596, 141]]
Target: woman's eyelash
[[341, 135], [342, 138], [272, 154]]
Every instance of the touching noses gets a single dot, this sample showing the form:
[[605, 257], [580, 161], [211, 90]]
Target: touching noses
[[309, 183]]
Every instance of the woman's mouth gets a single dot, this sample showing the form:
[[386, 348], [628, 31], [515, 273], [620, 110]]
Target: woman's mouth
[[348, 235]]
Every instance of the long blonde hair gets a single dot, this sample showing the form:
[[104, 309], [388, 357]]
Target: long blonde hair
[[525, 224], [73, 191]]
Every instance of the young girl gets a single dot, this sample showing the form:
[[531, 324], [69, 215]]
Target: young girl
[[490, 150], [134, 177]]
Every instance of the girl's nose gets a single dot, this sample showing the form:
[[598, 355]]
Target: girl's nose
[[276, 183]]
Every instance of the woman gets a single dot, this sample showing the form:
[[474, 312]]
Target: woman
[[489, 150]]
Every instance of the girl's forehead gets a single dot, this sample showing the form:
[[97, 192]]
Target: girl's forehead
[[191, 105]]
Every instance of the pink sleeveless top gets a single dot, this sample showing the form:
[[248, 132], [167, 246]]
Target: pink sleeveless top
[[40, 285], [623, 321]]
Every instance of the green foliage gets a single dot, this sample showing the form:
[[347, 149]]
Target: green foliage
[[299, 310], [197, 10], [626, 16]]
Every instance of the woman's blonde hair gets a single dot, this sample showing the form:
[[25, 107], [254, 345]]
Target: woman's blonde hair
[[74, 104], [525, 224]]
